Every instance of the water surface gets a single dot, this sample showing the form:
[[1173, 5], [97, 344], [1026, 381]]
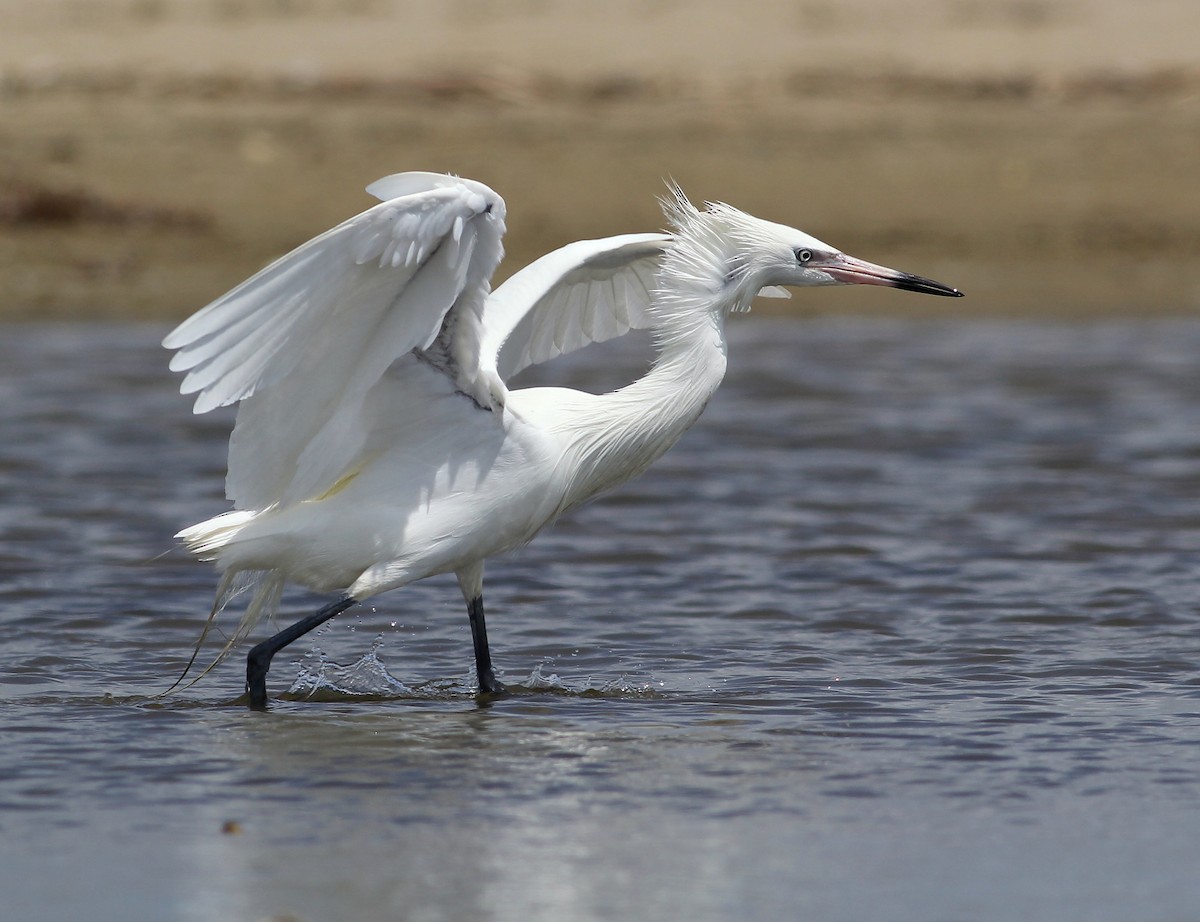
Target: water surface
[[905, 628]]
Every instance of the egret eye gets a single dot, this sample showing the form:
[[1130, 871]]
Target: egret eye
[[803, 256]]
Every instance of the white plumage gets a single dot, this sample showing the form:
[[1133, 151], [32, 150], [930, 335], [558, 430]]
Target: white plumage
[[376, 440]]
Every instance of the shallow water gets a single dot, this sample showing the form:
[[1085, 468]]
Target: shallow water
[[905, 628]]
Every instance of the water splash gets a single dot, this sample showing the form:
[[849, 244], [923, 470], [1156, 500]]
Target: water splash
[[366, 677], [539, 681], [543, 679]]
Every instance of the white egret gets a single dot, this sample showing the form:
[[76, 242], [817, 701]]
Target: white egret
[[377, 442]]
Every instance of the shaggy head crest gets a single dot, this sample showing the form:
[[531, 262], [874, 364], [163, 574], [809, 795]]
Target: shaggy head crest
[[722, 255], [704, 262]]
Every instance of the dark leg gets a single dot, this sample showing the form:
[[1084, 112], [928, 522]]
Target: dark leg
[[258, 660], [483, 656]]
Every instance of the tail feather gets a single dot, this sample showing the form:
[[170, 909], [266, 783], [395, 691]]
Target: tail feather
[[208, 538]]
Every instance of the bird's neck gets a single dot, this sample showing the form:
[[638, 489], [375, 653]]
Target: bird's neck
[[627, 430]]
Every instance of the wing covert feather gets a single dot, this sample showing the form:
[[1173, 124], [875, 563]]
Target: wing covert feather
[[585, 292]]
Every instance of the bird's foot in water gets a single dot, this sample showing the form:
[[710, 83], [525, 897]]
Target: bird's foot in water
[[492, 690]]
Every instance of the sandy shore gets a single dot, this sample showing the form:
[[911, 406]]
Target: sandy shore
[[1041, 155]]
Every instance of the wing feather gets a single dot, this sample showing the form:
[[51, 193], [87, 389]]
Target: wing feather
[[300, 343], [588, 291]]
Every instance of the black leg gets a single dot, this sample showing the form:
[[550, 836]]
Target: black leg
[[258, 660], [483, 656]]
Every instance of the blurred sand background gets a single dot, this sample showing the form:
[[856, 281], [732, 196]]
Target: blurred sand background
[[1040, 154]]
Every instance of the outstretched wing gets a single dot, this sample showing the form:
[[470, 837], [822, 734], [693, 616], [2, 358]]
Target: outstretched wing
[[585, 292], [300, 343]]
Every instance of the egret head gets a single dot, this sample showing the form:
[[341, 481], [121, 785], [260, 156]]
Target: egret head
[[739, 255]]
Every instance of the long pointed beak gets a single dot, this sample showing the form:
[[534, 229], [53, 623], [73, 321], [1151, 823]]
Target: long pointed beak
[[851, 271]]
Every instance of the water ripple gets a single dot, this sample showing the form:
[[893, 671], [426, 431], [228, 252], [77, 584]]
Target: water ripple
[[894, 556]]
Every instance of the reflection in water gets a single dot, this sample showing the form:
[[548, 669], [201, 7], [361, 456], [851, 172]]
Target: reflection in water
[[908, 619]]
